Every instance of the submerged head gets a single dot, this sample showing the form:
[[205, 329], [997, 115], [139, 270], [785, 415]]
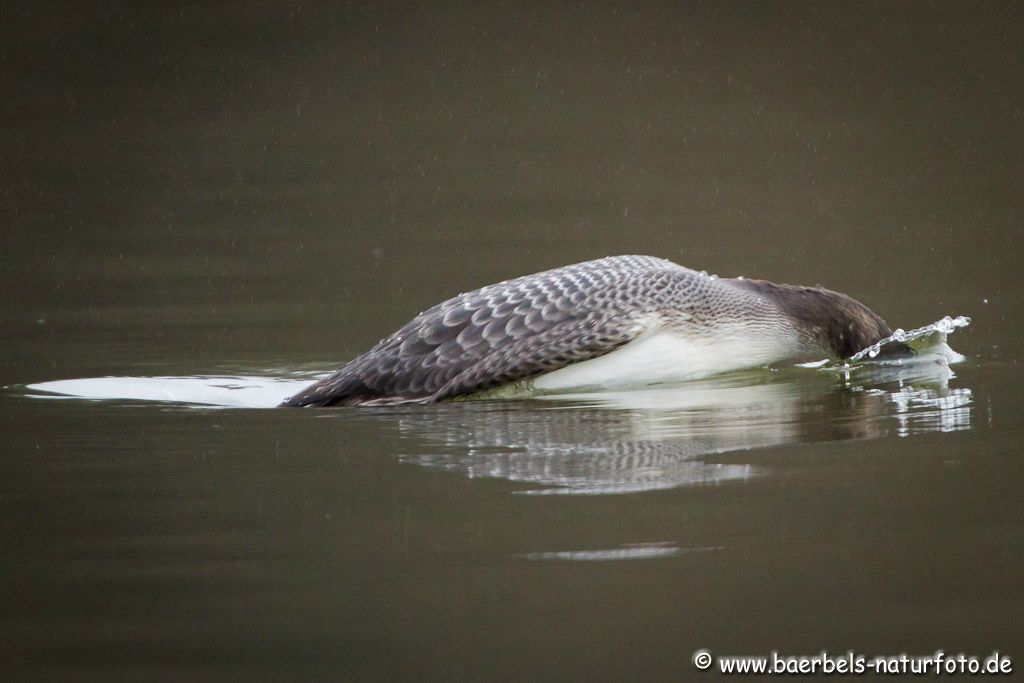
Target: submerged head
[[831, 322]]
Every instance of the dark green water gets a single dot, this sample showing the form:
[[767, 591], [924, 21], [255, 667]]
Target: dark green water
[[250, 190]]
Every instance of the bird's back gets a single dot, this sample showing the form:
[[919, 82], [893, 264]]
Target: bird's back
[[521, 328]]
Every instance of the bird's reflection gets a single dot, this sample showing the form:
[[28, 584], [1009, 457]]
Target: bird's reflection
[[616, 442], [625, 442]]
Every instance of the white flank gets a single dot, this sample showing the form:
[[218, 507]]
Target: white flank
[[660, 356]]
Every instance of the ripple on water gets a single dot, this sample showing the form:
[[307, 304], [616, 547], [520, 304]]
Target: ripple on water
[[613, 442]]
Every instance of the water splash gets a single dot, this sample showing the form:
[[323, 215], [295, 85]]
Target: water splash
[[208, 391], [920, 339]]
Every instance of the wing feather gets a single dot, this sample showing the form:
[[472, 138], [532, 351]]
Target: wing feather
[[508, 332]]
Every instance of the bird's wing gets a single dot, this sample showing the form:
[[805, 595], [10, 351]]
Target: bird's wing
[[507, 332]]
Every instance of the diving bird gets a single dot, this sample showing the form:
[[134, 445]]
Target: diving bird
[[619, 321]]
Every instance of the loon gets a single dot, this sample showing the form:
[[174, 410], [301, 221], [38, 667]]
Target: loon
[[614, 322]]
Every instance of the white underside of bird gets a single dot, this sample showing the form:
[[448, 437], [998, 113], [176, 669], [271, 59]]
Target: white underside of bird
[[662, 356]]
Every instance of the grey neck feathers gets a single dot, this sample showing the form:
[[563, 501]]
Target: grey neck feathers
[[827, 321]]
